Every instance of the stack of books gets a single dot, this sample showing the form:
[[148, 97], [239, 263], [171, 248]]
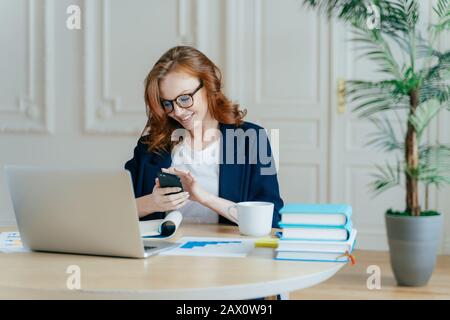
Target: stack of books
[[316, 232]]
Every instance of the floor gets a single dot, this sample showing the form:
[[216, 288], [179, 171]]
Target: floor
[[351, 281]]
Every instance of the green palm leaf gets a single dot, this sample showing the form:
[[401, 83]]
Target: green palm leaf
[[384, 138], [425, 75], [376, 49], [387, 177], [373, 97], [424, 113], [434, 164], [442, 9]]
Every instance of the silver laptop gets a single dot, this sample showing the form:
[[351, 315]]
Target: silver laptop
[[83, 211]]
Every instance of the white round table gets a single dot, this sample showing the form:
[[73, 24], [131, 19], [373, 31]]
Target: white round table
[[37, 275]]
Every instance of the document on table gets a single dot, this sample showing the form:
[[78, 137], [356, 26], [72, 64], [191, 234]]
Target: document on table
[[10, 242], [212, 247]]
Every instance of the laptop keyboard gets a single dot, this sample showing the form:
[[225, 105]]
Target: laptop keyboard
[[156, 246]]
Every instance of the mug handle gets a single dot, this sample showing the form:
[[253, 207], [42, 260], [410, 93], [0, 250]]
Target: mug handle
[[231, 207]]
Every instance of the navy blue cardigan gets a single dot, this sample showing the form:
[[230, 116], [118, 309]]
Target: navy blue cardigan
[[238, 181]]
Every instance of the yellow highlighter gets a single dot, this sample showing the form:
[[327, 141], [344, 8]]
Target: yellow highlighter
[[266, 243]]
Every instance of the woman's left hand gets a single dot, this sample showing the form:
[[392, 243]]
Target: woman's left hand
[[190, 184]]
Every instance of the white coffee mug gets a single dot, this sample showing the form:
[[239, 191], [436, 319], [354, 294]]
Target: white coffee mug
[[254, 217]]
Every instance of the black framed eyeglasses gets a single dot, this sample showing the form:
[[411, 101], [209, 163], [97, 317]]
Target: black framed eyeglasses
[[185, 100]]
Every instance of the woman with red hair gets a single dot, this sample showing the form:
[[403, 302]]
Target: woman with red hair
[[195, 132]]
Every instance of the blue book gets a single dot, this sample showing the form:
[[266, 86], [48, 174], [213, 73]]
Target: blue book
[[313, 256], [301, 251], [316, 232], [299, 214], [318, 246]]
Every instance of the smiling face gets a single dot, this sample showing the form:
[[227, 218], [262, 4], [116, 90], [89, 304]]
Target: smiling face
[[175, 84]]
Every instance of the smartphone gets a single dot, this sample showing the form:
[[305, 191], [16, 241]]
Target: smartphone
[[167, 180]]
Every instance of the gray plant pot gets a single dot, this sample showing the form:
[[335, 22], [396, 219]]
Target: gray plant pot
[[413, 245]]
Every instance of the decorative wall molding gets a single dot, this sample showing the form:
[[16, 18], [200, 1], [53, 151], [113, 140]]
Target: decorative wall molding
[[302, 113], [104, 111], [299, 134], [234, 47], [259, 67], [202, 26], [313, 187], [34, 111], [245, 54]]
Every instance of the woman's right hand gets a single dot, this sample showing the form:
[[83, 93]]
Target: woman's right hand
[[159, 200]]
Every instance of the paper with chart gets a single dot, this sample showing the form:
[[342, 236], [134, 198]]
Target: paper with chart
[[212, 247], [10, 242]]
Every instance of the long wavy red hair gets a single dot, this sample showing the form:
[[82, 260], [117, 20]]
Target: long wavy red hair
[[190, 60]]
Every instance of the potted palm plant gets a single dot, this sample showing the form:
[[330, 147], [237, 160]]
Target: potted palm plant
[[416, 89]]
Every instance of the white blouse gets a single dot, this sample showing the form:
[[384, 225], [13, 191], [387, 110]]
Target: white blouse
[[204, 166]]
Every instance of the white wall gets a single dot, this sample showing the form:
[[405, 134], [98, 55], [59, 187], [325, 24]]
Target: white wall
[[74, 97], [75, 126]]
